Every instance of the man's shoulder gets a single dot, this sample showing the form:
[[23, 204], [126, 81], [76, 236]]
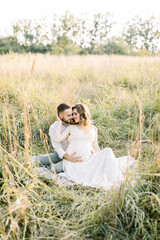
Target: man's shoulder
[[53, 126]]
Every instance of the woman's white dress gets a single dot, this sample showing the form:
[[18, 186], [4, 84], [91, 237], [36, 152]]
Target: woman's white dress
[[101, 169]]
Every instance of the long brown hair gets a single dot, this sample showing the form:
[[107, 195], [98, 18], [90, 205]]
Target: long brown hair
[[85, 117]]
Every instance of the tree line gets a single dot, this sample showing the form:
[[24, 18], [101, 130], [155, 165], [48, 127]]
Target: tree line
[[70, 35]]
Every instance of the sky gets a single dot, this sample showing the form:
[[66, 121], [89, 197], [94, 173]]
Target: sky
[[122, 10]]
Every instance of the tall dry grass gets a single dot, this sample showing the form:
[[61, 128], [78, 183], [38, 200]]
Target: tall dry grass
[[123, 95]]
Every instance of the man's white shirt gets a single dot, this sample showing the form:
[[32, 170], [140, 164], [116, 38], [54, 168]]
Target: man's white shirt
[[61, 147]]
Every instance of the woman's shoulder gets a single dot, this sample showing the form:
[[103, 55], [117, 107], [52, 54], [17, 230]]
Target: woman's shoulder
[[94, 128], [73, 126], [73, 129], [70, 127]]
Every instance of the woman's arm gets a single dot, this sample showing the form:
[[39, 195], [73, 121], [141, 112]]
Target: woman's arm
[[96, 148], [58, 137]]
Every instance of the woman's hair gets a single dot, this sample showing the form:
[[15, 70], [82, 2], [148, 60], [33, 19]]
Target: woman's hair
[[83, 111]]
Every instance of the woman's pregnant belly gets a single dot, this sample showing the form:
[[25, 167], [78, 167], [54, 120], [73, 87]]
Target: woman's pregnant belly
[[81, 148]]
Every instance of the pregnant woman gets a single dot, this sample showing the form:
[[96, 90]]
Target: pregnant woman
[[100, 168]]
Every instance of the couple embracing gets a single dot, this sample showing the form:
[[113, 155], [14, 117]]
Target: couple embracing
[[74, 139]]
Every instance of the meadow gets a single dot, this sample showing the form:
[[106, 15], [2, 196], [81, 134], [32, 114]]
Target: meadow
[[123, 95]]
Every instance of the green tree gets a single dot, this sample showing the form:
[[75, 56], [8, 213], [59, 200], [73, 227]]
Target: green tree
[[64, 34], [130, 35], [117, 46], [98, 30], [149, 33], [65, 25], [64, 46], [8, 44], [31, 35], [142, 34]]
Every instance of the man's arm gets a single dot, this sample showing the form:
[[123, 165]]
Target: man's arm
[[72, 158], [57, 146]]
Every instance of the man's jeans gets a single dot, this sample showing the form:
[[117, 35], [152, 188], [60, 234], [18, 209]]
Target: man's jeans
[[49, 160]]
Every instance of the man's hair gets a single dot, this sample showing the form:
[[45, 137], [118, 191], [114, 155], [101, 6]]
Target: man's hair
[[62, 107]]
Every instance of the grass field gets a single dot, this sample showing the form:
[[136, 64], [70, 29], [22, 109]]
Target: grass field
[[123, 95]]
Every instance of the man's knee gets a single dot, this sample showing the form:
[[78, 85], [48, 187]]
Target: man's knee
[[54, 157], [58, 167]]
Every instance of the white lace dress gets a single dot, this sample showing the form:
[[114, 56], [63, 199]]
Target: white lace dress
[[101, 169]]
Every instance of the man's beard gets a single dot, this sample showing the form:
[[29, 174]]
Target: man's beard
[[64, 121], [72, 122]]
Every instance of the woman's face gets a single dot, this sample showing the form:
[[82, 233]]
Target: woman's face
[[76, 115]]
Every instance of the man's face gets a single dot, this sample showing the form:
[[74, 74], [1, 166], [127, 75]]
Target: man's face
[[66, 115]]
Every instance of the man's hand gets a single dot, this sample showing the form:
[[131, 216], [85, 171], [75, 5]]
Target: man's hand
[[72, 158]]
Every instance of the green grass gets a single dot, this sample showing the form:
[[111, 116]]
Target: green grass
[[123, 95]]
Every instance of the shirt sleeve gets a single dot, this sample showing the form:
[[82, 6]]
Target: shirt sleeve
[[57, 146]]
